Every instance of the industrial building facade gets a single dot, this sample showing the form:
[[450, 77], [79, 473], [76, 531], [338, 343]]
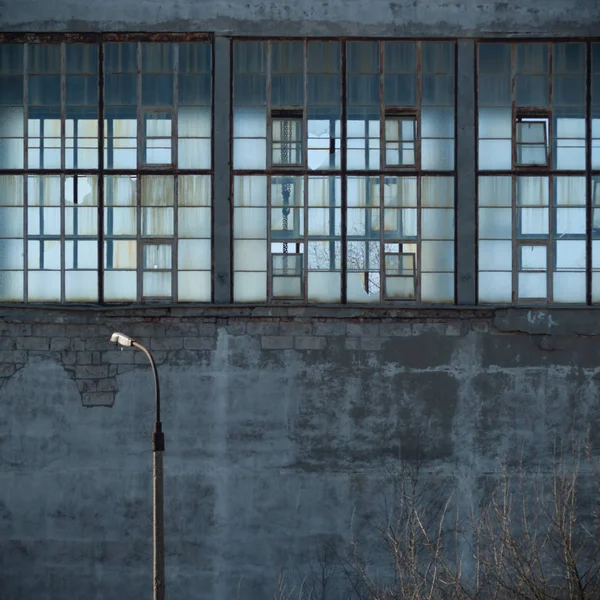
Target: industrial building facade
[[354, 238]]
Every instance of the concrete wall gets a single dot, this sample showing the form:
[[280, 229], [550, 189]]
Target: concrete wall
[[282, 429], [411, 18]]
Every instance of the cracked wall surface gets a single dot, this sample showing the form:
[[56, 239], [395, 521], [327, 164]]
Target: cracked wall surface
[[282, 428]]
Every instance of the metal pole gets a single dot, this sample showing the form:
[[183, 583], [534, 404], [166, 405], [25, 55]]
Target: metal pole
[[158, 523]]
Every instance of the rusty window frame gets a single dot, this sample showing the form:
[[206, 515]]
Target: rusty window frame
[[101, 170], [344, 173], [549, 170]]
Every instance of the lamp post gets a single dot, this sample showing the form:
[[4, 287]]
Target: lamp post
[[158, 448]]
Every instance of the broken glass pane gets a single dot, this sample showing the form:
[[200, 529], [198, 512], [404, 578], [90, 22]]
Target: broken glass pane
[[157, 256]]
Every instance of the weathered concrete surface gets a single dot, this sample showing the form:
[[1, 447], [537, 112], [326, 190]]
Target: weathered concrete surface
[[282, 428], [410, 18]]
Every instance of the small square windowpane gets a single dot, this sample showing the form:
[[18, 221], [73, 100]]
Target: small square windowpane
[[400, 134], [286, 141], [532, 142]]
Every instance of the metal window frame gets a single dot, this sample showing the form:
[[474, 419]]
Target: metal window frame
[[548, 170], [102, 169], [342, 171]]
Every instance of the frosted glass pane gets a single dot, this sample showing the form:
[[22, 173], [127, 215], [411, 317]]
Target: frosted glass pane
[[437, 154], [44, 254], [399, 288], [194, 254], [43, 221], [120, 286], [495, 123], [194, 121], [11, 153], [44, 286], [533, 258], [570, 154], [249, 153], [11, 286], [81, 286], [570, 221], [249, 287], [81, 254], [437, 223], [495, 287], [11, 222], [194, 153], [250, 191], [120, 220], [495, 154], [157, 256], [437, 256], [495, 255], [495, 191], [324, 286], [12, 122], [250, 255], [437, 122], [596, 287], [437, 287], [81, 221], [437, 191], [250, 122], [532, 285], [287, 287], [157, 285], [11, 254], [120, 254], [11, 190], [250, 223], [532, 191], [495, 223], [194, 190], [359, 283], [194, 286], [569, 287], [157, 221], [194, 222], [570, 254], [570, 191]]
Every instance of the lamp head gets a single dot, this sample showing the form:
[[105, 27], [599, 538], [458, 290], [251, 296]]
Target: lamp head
[[121, 339]]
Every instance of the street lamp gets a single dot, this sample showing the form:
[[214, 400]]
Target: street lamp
[[158, 447]]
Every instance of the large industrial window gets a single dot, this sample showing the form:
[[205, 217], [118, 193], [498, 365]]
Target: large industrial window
[[536, 173], [343, 171], [105, 172]]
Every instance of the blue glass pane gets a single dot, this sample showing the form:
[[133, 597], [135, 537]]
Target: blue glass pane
[[120, 89], [43, 58], [82, 90], [194, 89], [120, 58], [195, 58], [11, 90], [82, 58], [11, 59], [157, 90], [249, 57]]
